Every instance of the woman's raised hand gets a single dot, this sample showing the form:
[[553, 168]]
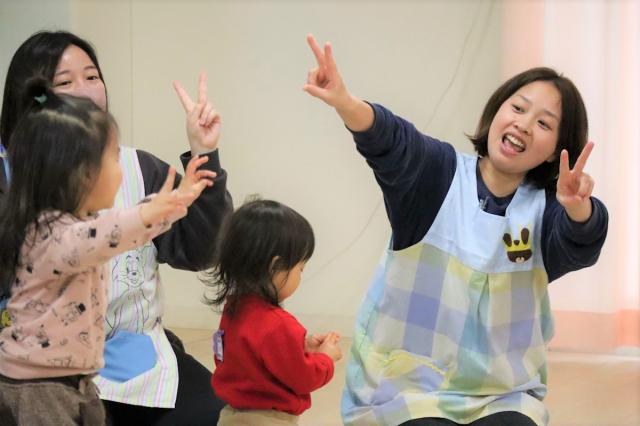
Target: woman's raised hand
[[324, 82], [574, 186], [203, 121]]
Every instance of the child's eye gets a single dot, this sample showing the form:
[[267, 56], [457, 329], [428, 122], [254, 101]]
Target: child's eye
[[517, 108], [62, 83], [93, 77]]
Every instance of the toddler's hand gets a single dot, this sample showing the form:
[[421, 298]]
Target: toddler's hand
[[330, 346], [313, 342], [167, 205], [194, 180]]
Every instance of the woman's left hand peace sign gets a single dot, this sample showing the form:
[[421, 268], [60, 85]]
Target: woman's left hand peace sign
[[574, 186], [203, 121]]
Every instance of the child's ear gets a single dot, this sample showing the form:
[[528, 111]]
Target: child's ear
[[87, 175], [273, 263]]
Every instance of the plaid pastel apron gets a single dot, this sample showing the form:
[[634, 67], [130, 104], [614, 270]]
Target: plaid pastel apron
[[456, 326]]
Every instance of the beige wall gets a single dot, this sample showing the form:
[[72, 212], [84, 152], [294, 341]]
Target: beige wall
[[277, 141], [19, 19]]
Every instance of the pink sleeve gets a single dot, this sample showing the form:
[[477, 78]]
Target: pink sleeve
[[77, 246], [284, 356]]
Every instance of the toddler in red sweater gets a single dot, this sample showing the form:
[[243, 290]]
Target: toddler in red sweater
[[266, 365]]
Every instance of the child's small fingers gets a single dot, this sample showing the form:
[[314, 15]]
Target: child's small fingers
[[197, 188], [333, 337], [201, 160], [169, 181], [185, 198], [206, 174], [196, 162]]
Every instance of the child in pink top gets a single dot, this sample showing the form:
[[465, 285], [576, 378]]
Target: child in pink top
[[54, 246]]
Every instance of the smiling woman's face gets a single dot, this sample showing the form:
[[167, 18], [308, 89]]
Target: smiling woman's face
[[77, 75]]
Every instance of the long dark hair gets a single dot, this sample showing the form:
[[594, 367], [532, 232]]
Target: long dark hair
[[572, 133], [256, 234], [37, 57], [56, 151]]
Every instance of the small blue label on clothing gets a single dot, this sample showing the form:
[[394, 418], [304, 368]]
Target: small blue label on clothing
[[217, 344]]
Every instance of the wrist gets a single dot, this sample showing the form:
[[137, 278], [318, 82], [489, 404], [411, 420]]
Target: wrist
[[357, 115], [581, 212], [197, 150]]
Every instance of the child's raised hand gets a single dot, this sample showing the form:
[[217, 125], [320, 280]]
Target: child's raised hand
[[203, 121], [574, 186], [167, 205], [195, 180], [330, 346], [324, 82]]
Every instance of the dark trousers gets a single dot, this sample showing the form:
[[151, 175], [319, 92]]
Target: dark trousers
[[60, 401], [506, 418], [196, 404]]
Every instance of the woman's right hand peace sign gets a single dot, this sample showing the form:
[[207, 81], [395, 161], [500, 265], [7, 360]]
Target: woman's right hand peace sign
[[324, 81]]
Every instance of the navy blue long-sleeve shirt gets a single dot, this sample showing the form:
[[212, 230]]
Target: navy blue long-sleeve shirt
[[415, 172]]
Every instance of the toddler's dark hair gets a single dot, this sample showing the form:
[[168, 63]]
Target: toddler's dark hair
[[259, 239]]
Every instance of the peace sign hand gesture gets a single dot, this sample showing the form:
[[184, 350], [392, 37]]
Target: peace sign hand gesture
[[324, 81], [574, 186], [203, 121]]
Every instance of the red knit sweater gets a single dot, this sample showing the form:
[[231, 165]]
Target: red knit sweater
[[264, 363]]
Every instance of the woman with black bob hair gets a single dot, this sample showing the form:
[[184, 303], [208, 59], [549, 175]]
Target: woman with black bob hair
[[572, 132], [148, 377]]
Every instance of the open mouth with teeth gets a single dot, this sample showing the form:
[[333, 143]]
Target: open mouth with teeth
[[512, 143]]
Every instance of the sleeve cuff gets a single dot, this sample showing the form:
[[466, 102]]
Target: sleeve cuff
[[371, 131], [591, 226], [212, 164], [373, 141]]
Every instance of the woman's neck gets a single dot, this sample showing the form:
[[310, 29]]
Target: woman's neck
[[499, 183]]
